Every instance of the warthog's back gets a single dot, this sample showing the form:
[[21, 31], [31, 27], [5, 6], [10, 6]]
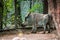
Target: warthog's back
[[39, 19]]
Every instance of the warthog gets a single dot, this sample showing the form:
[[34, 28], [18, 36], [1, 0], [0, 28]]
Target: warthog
[[36, 20]]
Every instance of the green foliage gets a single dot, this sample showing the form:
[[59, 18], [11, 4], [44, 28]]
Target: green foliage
[[37, 6], [8, 10]]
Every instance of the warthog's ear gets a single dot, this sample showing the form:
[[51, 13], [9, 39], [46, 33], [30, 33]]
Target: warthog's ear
[[27, 14]]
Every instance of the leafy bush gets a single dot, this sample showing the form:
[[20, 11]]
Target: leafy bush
[[38, 7]]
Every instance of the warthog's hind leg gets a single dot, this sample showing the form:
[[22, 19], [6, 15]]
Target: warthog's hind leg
[[48, 28], [44, 26]]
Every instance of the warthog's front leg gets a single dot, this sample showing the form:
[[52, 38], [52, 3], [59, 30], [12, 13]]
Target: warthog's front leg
[[34, 29]]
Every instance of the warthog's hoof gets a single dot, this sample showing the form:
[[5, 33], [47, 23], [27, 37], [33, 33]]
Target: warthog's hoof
[[43, 33], [33, 32], [48, 31]]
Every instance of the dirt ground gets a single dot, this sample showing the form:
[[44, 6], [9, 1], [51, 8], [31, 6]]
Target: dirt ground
[[27, 35]]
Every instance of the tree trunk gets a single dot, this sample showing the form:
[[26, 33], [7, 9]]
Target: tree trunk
[[1, 14], [54, 6], [57, 11], [18, 19]]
